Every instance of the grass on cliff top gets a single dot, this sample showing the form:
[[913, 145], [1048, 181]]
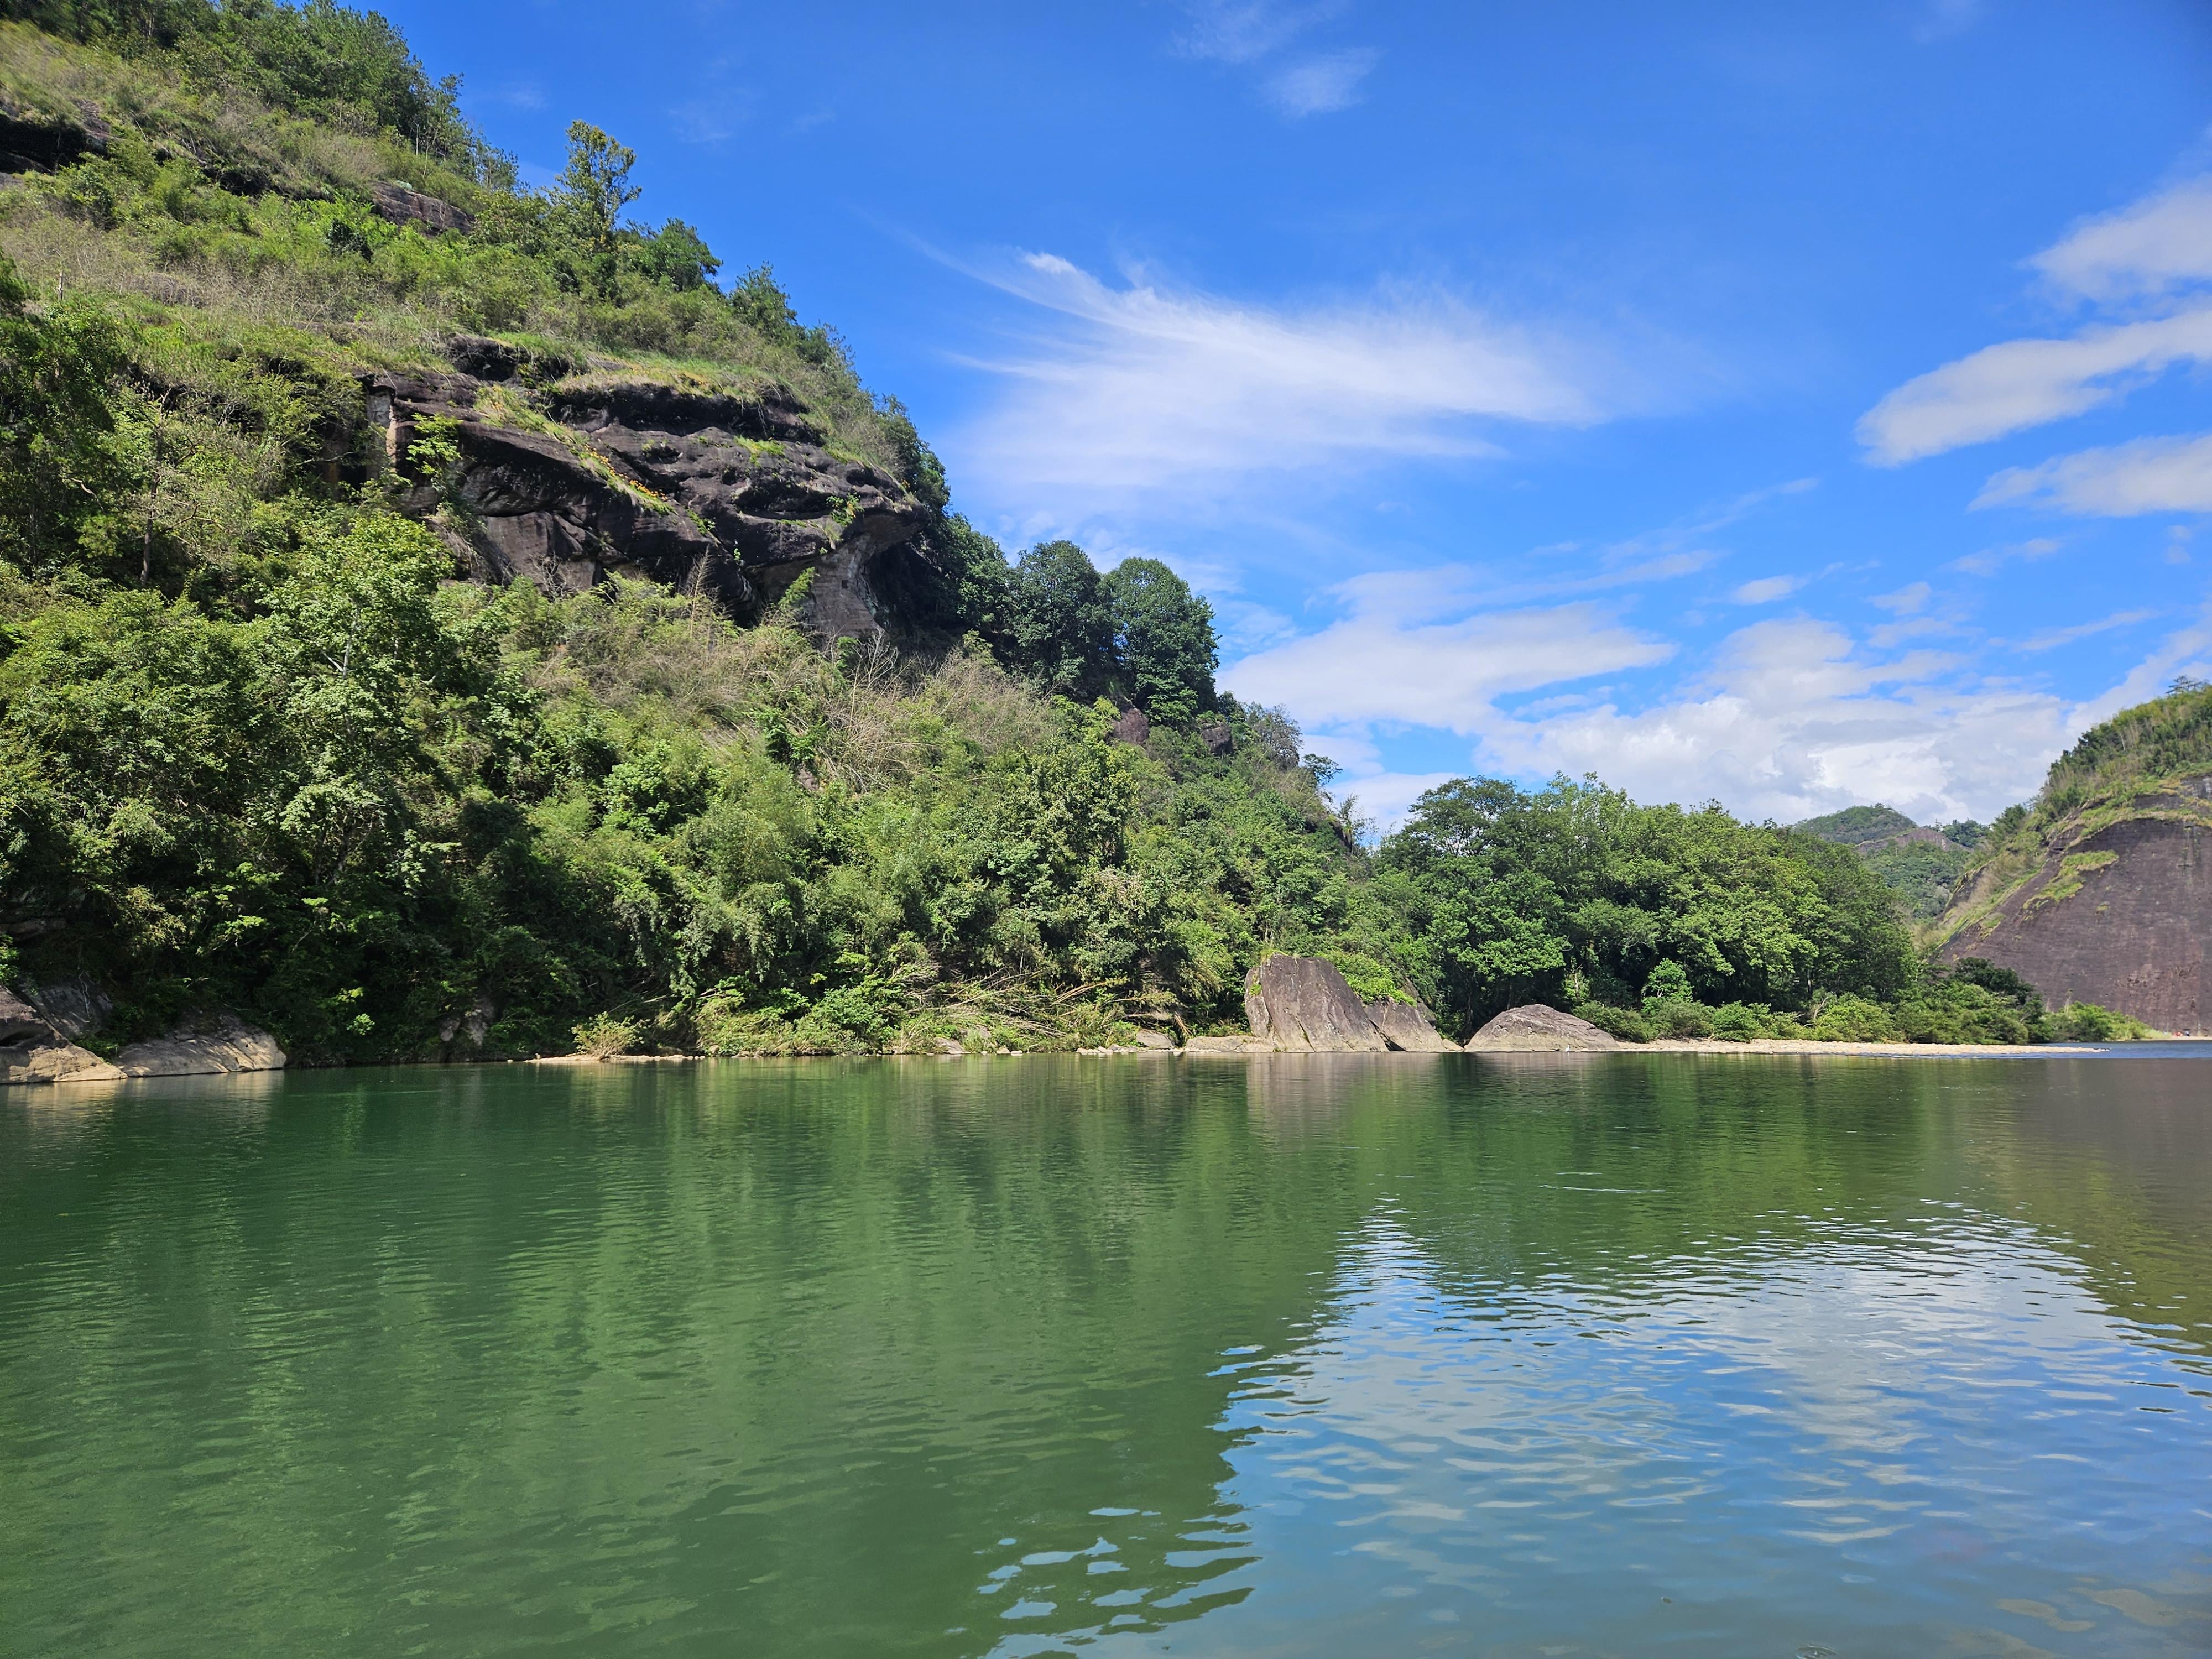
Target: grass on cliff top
[[214, 210]]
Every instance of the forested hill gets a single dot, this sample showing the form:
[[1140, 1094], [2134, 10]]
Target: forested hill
[[440, 618]]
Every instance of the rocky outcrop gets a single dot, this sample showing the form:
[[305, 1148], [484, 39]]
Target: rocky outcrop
[[224, 1043], [1234, 1043], [1538, 1029], [1302, 1005], [734, 496], [2120, 916], [36, 140], [1132, 728], [404, 205], [1405, 1026], [33, 1051]]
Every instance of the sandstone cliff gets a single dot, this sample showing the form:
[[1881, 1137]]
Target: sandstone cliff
[[732, 491], [2102, 893]]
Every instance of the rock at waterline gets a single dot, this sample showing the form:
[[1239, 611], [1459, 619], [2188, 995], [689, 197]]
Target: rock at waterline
[[1406, 1026], [224, 1044], [1301, 1005], [33, 1051], [1538, 1029]]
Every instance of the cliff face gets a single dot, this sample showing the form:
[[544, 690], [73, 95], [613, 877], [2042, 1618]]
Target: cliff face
[[2117, 910], [735, 494]]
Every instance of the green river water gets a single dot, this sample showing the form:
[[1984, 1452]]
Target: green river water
[[1315, 1356]]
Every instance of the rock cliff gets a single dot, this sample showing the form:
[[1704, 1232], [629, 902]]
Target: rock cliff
[[733, 493], [2100, 891], [2120, 915]]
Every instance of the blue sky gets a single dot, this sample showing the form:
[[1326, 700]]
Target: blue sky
[[1795, 406]]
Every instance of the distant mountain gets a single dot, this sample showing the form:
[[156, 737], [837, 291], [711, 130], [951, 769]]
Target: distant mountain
[[1922, 866], [2100, 890]]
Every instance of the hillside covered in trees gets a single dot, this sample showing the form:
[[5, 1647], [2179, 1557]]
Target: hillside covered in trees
[[440, 618]]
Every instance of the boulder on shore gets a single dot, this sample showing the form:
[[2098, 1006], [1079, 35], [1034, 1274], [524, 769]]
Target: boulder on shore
[[226, 1043], [1301, 1005], [1406, 1026], [1236, 1042], [1535, 1029], [33, 1051], [19, 1021]]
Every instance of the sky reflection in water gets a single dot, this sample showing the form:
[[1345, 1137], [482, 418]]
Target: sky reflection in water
[[1288, 1356]]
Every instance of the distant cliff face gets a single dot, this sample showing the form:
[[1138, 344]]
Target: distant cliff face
[[732, 494], [2119, 913]]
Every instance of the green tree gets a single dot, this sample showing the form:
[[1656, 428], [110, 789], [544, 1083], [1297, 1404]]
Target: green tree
[[594, 190], [1060, 625], [1163, 636], [676, 258], [56, 465]]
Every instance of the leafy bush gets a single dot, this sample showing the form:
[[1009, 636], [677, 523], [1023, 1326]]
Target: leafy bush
[[1623, 1023], [604, 1035], [1745, 1021], [1671, 1019], [2084, 1022], [1853, 1019]]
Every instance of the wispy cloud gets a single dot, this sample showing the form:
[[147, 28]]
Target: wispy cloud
[[2023, 383], [1320, 85], [1243, 31], [2150, 246], [1766, 590], [1991, 560], [2150, 475], [1907, 601], [1135, 388], [1257, 33], [1381, 665], [2051, 638], [2154, 256]]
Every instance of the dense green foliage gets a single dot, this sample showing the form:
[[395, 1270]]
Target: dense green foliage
[[1921, 866], [1576, 894], [260, 749]]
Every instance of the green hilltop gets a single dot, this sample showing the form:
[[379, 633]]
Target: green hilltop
[[281, 733]]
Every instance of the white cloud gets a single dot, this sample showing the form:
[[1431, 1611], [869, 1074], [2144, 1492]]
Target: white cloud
[[1767, 589], [1794, 721], [2148, 248], [1320, 85], [2051, 638], [1905, 600], [2156, 253], [1792, 718], [1137, 387], [1382, 664], [1236, 32], [2024, 383], [1991, 560], [2150, 475]]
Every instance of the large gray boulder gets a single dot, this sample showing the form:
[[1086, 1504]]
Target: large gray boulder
[[1302, 1006], [1404, 1025], [225, 1043], [1538, 1029]]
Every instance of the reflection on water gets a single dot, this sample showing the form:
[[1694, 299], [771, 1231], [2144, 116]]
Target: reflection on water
[[1292, 1355]]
